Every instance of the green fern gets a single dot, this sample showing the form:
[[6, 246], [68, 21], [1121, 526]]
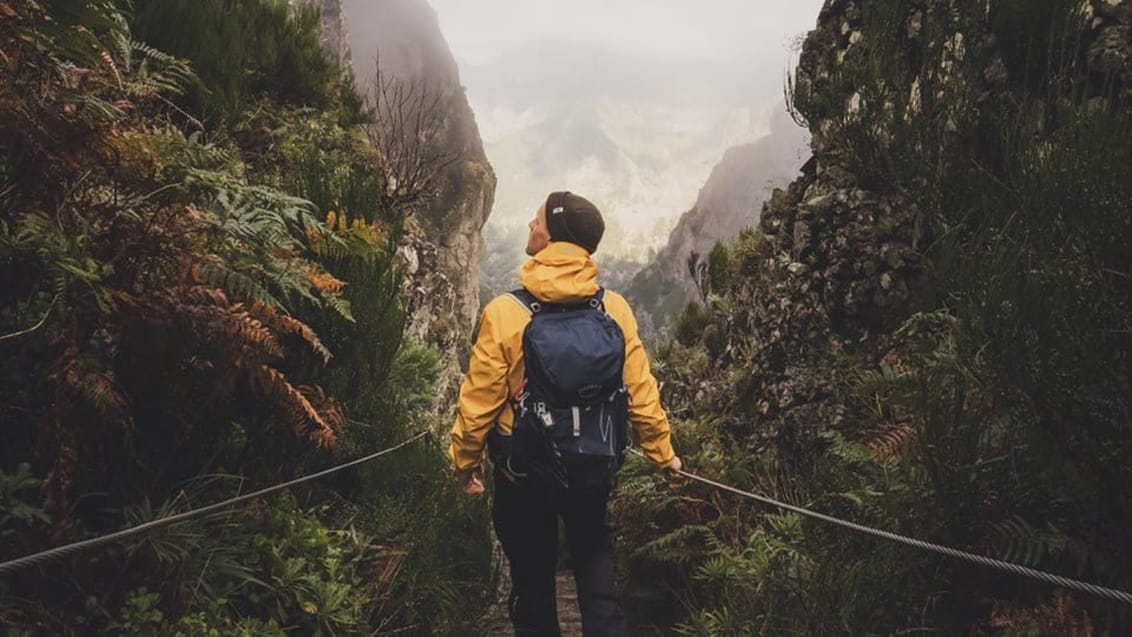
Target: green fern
[[237, 284], [679, 546]]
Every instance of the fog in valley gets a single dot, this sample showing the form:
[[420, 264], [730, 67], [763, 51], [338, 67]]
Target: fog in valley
[[629, 103]]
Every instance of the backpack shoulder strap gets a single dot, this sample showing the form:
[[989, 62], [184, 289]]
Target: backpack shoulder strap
[[533, 306], [527, 300], [597, 301]]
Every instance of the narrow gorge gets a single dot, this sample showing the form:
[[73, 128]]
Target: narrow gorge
[[244, 244]]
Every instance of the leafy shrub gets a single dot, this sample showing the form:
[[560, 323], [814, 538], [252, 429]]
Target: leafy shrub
[[720, 267], [690, 326], [240, 50]]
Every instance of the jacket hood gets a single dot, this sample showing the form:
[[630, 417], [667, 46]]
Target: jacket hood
[[561, 273]]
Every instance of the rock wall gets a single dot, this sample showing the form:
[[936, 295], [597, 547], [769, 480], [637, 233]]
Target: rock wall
[[443, 248], [1110, 35], [840, 264], [839, 255]]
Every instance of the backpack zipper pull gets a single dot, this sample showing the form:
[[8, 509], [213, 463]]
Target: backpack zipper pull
[[577, 421]]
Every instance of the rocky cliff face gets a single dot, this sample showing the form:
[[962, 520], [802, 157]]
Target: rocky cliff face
[[945, 286], [838, 255], [443, 249], [840, 260], [727, 203]]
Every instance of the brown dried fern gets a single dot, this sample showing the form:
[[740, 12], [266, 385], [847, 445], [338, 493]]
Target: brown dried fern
[[96, 389], [290, 325], [80, 392], [252, 332], [891, 442], [331, 410], [271, 382], [1062, 615]]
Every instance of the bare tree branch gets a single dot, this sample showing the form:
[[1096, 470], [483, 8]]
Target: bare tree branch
[[408, 131]]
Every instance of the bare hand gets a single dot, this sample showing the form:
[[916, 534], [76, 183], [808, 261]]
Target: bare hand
[[673, 466], [471, 481]]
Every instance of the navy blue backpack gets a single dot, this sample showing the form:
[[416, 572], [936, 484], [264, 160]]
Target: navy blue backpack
[[571, 414]]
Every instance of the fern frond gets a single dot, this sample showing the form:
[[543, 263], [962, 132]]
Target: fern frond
[[323, 281], [153, 72], [289, 279], [202, 295], [679, 546], [887, 381], [252, 332], [339, 304], [238, 284], [101, 392], [95, 388], [1019, 542], [290, 325], [214, 317], [272, 383], [331, 411], [846, 450], [91, 105], [891, 442]]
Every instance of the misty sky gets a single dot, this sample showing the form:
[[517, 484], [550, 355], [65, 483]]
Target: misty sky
[[757, 31], [640, 98]]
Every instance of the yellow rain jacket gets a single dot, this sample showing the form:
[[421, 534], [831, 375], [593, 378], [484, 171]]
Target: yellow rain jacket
[[561, 273]]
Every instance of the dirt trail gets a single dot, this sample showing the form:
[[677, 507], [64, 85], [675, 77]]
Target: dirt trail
[[569, 617]]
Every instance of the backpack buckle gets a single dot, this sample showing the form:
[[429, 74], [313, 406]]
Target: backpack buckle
[[544, 414]]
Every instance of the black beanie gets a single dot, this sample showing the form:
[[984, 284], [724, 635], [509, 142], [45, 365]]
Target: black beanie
[[574, 219]]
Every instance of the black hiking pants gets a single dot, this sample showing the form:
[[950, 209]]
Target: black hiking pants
[[526, 521]]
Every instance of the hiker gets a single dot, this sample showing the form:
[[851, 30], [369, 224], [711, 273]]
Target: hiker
[[556, 450]]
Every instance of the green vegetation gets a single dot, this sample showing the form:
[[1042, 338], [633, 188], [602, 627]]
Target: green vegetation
[[654, 297], [996, 418], [201, 298], [241, 52]]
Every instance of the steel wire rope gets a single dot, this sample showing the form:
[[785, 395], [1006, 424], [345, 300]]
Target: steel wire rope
[[67, 549], [1010, 567]]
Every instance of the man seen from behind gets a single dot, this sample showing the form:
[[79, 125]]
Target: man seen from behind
[[563, 235]]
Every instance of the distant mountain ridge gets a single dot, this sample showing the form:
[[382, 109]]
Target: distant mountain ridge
[[636, 135], [729, 202], [640, 164]]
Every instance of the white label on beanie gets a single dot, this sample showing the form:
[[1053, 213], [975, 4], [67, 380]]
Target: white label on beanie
[[557, 209]]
